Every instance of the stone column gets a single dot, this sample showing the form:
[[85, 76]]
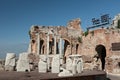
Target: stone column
[[48, 61], [71, 45], [60, 47], [38, 43], [60, 51], [48, 43], [29, 47], [54, 44]]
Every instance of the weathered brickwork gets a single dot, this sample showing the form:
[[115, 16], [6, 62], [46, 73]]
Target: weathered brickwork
[[76, 42]]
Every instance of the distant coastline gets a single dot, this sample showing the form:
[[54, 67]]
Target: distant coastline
[[18, 48]]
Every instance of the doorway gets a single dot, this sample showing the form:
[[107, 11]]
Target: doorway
[[101, 51]]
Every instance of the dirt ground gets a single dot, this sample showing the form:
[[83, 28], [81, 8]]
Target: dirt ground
[[113, 76], [6, 75]]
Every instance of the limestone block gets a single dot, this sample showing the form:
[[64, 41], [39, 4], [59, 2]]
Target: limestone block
[[56, 64], [79, 70], [65, 73], [23, 65], [42, 66], [61, 61], [69, 64], [23, 62], [10, 61], [74, 66], [23, 56], [116, 71], [79, 65], [43, 57]]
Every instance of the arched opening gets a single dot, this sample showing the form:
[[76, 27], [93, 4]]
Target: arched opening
[[41, 47], [101, 51], [119, 64], [66, 44], [33, 46], [66, 49], [57, 49], [51, 46], [77, 48]]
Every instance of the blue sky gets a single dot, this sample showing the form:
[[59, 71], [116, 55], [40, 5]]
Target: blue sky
[[17, 16]]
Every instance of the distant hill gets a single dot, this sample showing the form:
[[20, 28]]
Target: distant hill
[[17, 48]]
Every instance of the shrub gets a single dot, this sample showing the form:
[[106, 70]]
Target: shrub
[[80, 39], [86, 33], [118, 24]]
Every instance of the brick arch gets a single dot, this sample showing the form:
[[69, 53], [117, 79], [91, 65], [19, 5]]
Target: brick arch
[[67, 39], [101, 51], [42, 46], [66, 44], [77, 45]]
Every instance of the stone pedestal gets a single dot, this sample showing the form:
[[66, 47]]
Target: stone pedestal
[[42, 66], [23, 63], [69, 64], [10, 62], [55, 64], [43, 57], [74, 63], [79, 66], [65, 73], [74, 66]]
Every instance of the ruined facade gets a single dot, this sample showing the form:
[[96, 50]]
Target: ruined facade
[[70, 39], [69, 36]]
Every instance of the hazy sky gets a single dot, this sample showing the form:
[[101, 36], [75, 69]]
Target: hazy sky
[[17, 16]]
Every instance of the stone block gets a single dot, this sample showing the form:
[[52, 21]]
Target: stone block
[[74, 66], [65, 73], [42, 66], [43, 57], [116, 71], [10, 62], [23, 56], [55, 64], [69, 64], [23, 63], [79, 66]]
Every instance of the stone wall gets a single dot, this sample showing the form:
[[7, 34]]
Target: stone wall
[[70, 35]]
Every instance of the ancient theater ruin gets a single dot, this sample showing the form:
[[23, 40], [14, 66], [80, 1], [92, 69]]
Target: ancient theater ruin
[[68, 50], [99, 48]]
